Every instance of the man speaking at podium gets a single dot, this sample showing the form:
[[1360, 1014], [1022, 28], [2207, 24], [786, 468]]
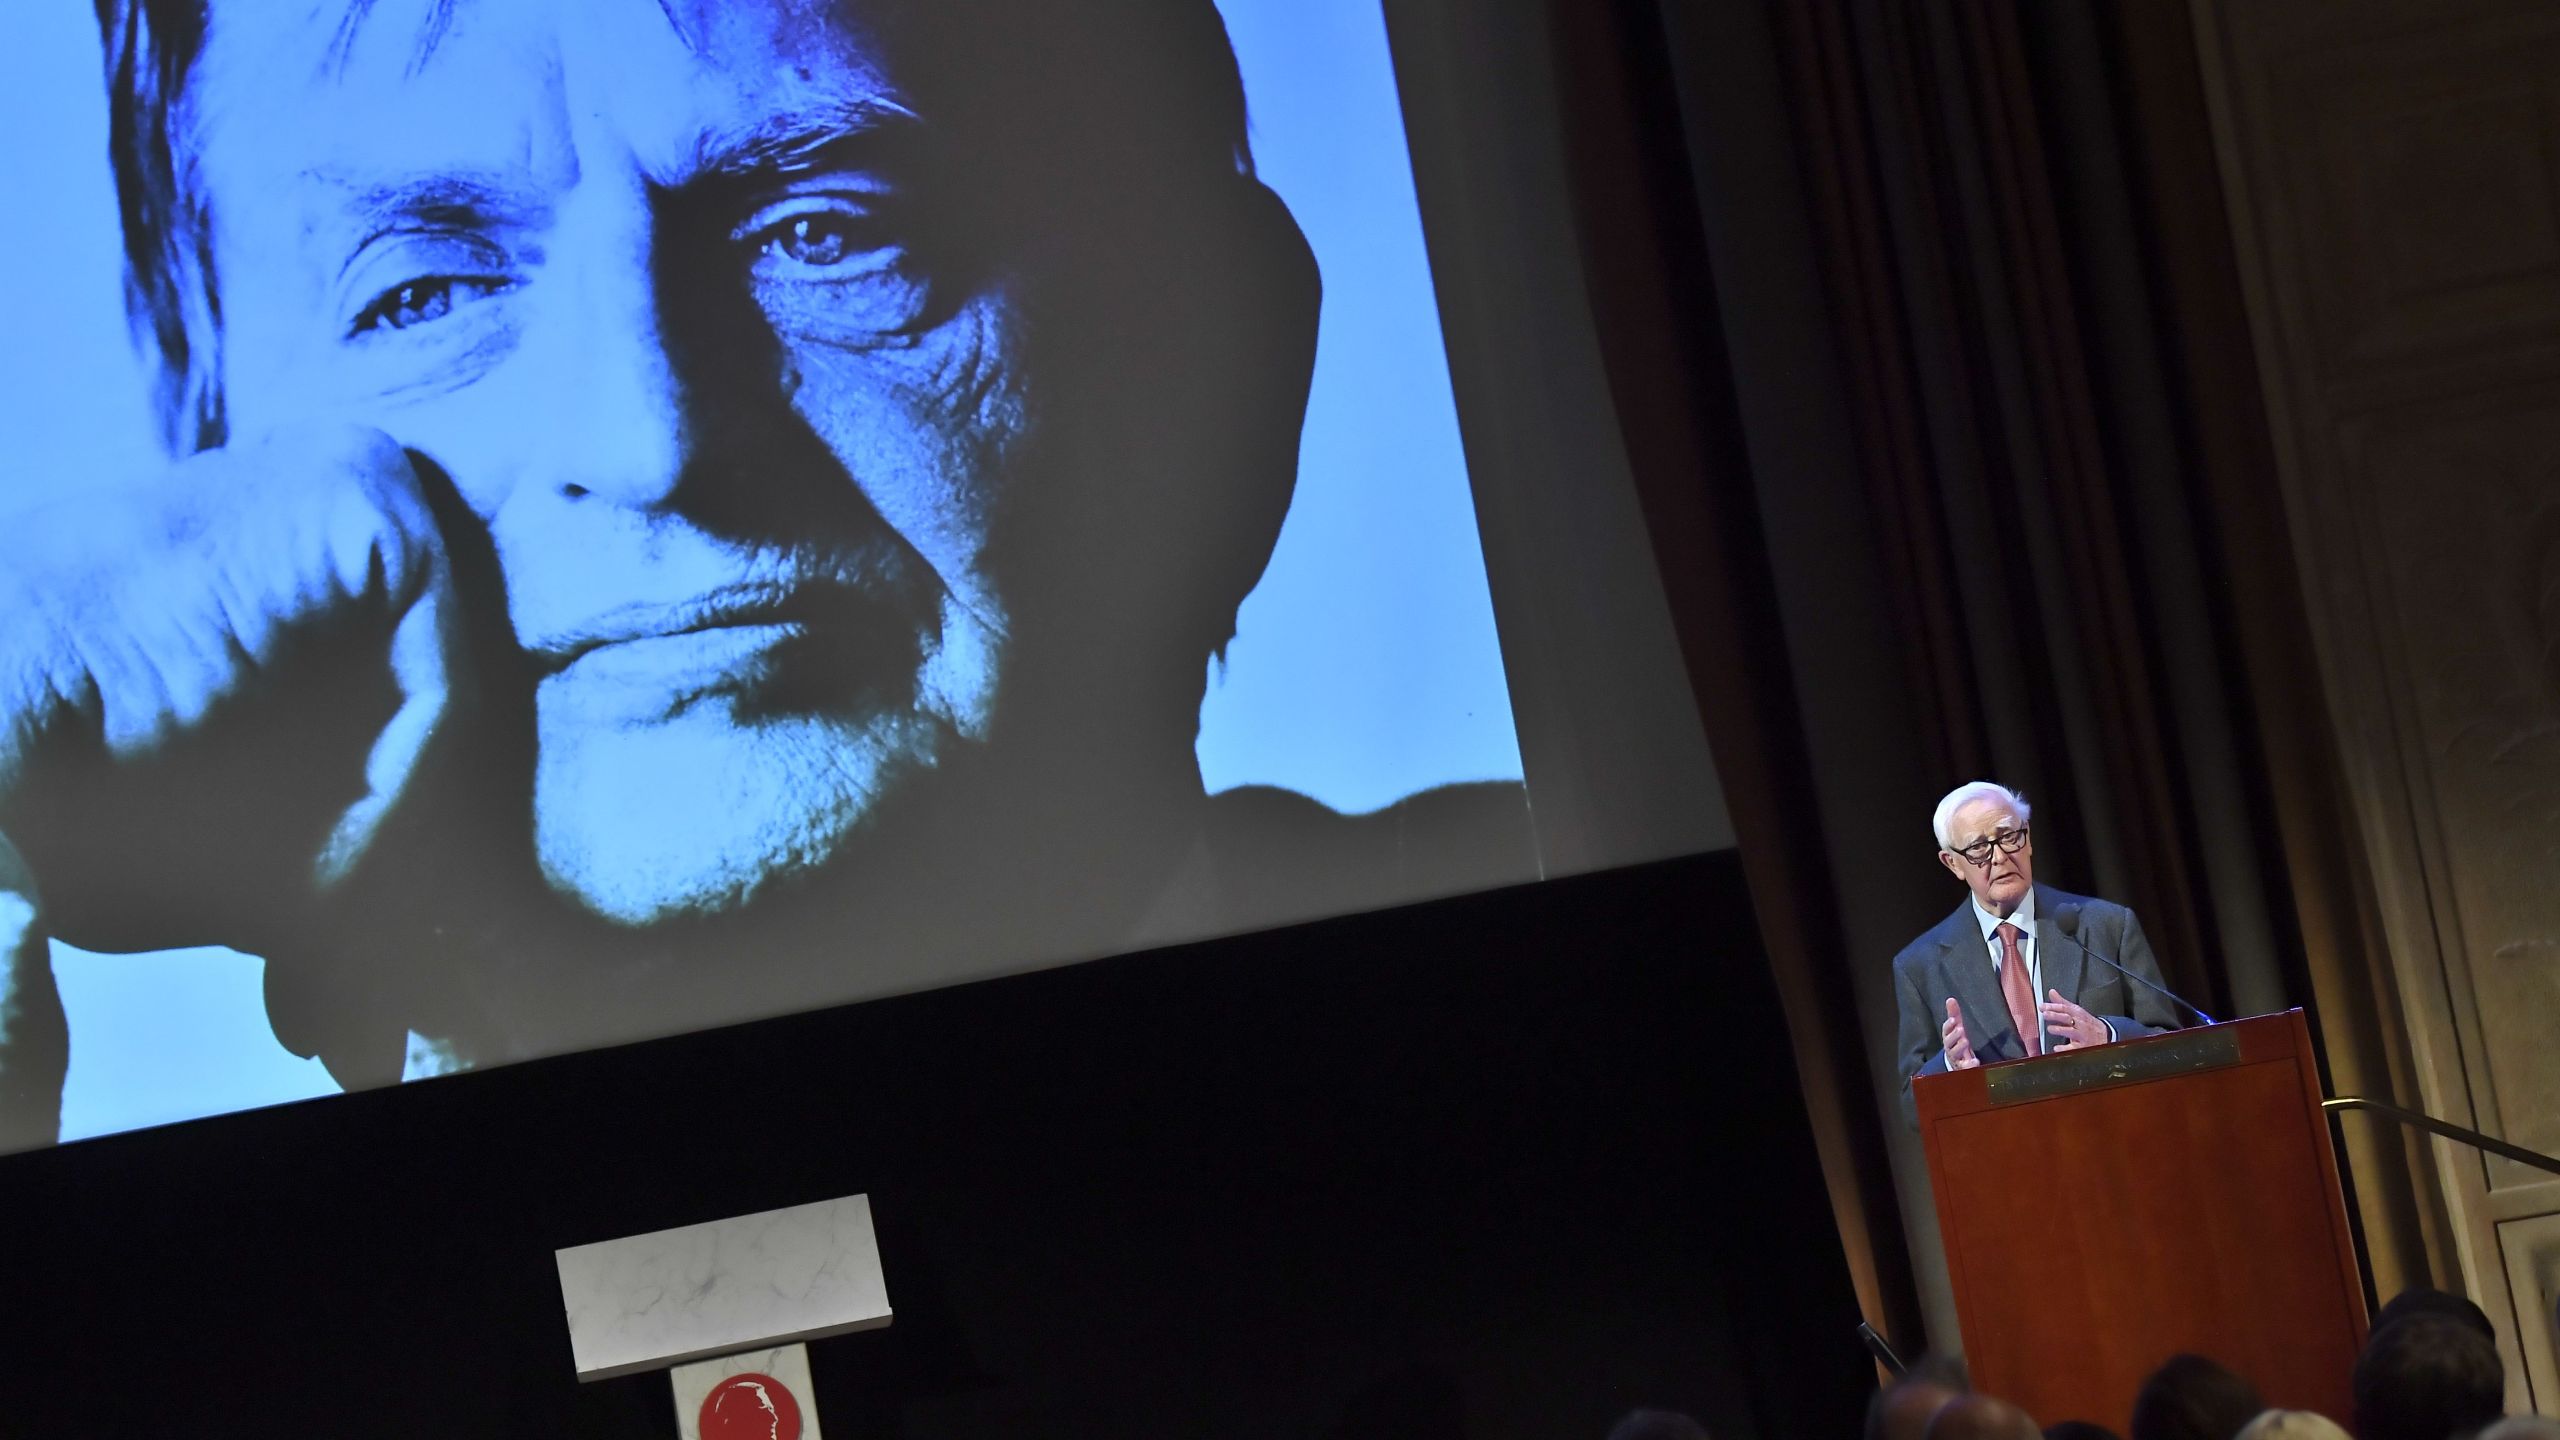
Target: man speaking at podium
[[2019, 969]]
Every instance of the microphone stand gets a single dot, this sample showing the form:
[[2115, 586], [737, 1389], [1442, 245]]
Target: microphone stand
[[2068, 922]]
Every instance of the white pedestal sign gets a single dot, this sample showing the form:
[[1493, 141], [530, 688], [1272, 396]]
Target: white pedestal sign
[[730, 1302]]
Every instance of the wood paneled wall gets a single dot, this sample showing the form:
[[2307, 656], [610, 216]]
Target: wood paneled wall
[[2393, 168]]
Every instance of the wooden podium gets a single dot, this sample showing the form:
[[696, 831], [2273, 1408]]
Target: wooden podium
[[2106, 1209]]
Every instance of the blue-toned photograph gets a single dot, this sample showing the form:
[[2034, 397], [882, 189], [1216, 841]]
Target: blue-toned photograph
[[534, 525]]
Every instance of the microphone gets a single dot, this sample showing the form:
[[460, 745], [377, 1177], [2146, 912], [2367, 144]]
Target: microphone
[[2067, 920]]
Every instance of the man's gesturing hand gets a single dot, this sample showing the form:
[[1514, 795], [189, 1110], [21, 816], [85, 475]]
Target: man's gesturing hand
[[2072, 1027], [215, 684], [1959, 1048]]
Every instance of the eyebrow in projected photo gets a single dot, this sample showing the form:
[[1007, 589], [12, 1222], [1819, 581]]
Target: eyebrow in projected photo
[[679, 512]]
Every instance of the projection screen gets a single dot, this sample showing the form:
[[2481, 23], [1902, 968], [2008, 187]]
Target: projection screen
[[534, 525]]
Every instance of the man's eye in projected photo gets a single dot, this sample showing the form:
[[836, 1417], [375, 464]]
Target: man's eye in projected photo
[[682, 503]]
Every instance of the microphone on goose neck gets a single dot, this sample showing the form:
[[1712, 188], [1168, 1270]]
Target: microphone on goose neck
[[2067, 920]]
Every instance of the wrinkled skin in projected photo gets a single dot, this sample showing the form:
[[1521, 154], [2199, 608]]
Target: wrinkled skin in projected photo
[[678, 512]]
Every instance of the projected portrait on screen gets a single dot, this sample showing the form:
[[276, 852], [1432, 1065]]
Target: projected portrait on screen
[[677, 512]]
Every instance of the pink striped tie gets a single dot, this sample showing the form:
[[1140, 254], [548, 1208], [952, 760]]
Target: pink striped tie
[[2015, 989]]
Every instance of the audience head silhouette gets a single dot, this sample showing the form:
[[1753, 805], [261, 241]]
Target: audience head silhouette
[[1903, 1409], [2078, 1430], [2192, 1398], [2427, 1300], [2292, 1425], [2426, 1377], [1981, 1417]]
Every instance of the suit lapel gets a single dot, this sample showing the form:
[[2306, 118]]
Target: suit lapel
[[1967, 964]]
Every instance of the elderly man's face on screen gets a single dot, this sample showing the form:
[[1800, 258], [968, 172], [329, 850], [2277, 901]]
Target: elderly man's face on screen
[[666, 293], [660, 480], [650, 288]]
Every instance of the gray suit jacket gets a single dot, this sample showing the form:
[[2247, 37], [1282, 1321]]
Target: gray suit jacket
[[1951, 960]]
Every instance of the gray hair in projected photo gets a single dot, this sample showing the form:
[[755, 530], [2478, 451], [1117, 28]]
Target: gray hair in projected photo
[[675, 511]]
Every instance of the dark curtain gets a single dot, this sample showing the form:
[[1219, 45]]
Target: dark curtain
[[2035, 516], [1652, 291]]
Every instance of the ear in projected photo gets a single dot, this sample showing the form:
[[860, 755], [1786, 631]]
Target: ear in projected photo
[[678, 512]]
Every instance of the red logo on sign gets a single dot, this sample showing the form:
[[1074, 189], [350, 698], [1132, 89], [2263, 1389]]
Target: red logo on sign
[[750, 1407]]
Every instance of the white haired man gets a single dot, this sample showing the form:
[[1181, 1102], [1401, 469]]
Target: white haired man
[[2000, 979]]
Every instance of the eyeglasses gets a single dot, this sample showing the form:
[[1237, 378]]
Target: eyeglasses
[[2007, 842]]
